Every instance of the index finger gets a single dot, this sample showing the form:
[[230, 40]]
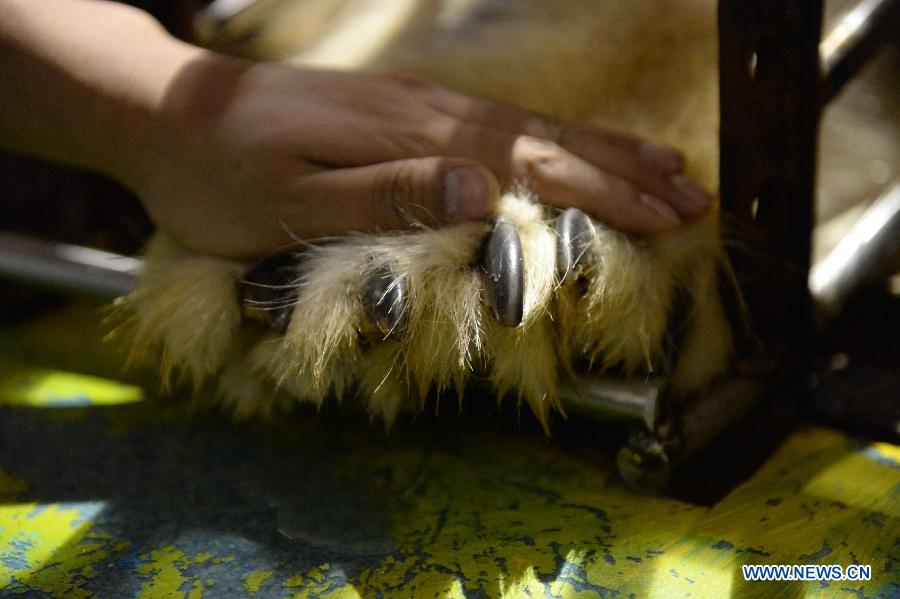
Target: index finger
[[653, 168], [577, 139]]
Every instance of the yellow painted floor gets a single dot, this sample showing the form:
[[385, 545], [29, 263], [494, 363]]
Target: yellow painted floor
[[107, 493]]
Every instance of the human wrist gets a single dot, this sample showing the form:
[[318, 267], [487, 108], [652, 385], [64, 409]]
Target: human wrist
[[146, 136], [90, 79]]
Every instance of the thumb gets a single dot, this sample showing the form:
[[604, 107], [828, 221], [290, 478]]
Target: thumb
[[393, 195]]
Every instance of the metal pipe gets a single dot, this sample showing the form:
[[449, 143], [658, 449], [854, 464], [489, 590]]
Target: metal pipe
[[67, 267], [647, 461], [856, 37], [612, 399], [864, 253]]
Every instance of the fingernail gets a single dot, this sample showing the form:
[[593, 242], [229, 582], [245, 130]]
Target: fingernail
[[668, 159], [699, 198], [467, 193], [667, 215]]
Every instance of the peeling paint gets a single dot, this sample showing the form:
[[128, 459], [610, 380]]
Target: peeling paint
[[465, 526], [491, 516], [254, 580], [50, 549], [42, 388], [164, 569]]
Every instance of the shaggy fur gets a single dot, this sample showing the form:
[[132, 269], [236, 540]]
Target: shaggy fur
[[648, 68]]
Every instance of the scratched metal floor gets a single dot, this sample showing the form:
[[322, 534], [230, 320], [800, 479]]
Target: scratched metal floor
[[105, 492]]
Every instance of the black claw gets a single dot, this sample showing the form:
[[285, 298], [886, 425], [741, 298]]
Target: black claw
[[268, 292], [384, 297], [503, 263], [575, 234]]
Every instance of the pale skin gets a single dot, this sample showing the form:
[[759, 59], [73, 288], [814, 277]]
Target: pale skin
[[240, 159]]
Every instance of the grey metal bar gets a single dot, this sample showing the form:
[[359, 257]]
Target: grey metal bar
[[69, 268], [612, 399], [648, 460], [864, 253], [855, 38]]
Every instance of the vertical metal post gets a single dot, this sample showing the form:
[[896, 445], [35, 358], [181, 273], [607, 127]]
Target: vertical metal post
[[769, 86]]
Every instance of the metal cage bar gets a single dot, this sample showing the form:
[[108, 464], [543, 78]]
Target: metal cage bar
[[769, 110]]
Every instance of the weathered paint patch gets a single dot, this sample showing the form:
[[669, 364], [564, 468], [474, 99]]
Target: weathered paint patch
[[323, 581], [518, 522], [253, 581], [495, 517], [35, 387], [164, 569], [528, 521], [504, 519], [830, 489], [50, 549]]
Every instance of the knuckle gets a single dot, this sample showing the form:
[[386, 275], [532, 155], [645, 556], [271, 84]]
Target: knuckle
[[432, 134], [400, 194], [420, 140], [532, 156]]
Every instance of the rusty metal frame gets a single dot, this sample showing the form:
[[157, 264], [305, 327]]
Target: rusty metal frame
[[769, 109], [774, 78], [769, 86]]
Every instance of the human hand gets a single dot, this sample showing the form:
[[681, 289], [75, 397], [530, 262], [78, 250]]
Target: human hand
[[236, 159], [248, 155]]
